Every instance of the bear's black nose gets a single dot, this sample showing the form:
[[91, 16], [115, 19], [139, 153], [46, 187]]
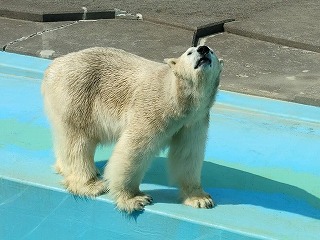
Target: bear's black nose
[[203, 50]]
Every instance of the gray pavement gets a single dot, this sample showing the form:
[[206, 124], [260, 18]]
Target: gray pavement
[[183, 12], [296, 24], [270, 50], [267, 69]]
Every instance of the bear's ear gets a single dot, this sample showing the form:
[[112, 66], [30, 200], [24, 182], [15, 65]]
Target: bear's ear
[[221, 62], [170, 61]]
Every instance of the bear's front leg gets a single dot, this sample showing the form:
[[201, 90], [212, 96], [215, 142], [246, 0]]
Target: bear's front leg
[[185, 163], [125, 170]]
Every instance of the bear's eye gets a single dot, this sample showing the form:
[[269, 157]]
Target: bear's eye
[[189, 53]]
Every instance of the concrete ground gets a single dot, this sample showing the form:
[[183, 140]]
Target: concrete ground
[[272, 49]]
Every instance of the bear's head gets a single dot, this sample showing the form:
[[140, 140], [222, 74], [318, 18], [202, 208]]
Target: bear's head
[[197, 63]]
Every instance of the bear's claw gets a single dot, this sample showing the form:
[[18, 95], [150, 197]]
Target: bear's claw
[[204, 201], [92, 188], [136, 203]]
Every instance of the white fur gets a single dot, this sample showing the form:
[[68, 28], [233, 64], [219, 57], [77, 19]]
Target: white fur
[[104, 95]]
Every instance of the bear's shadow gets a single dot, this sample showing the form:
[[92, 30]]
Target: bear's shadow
[[230, 186]]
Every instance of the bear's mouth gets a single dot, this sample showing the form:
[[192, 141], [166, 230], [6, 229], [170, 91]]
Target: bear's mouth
[[201, 61]]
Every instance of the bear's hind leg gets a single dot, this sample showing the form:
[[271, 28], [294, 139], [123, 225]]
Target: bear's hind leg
[[61, 166], [58, 167], [75, 161]]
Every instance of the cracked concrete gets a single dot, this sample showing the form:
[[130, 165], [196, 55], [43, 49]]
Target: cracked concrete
[[39, 33], [15, 32], [134, 36]]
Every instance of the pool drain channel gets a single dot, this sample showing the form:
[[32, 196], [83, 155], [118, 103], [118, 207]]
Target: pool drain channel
[[208, 29]]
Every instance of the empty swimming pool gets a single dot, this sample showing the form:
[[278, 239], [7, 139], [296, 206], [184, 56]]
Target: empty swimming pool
[[262, 167]]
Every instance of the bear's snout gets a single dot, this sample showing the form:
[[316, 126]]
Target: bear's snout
[[204, 57], [203, 50]]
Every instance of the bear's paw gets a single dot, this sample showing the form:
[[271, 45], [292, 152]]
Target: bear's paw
[[136, 203], [203, 200]]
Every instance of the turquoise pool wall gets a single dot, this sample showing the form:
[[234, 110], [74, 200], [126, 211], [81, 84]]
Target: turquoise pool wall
[[262, 162]]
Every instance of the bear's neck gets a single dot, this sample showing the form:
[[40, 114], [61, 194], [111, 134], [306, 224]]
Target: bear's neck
[[195, 95]]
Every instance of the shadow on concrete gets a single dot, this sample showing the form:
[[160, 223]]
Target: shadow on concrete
[[230, 186]]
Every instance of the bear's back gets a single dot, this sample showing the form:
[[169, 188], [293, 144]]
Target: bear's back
[[99, 78]]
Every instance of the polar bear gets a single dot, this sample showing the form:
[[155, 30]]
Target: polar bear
[[106, 95]]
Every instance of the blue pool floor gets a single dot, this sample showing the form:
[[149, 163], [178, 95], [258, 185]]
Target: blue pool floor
[[261, 167]]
